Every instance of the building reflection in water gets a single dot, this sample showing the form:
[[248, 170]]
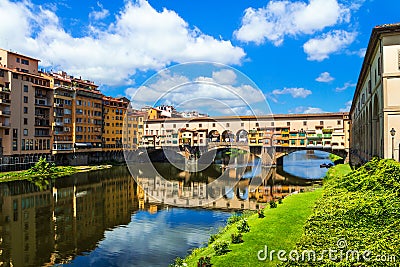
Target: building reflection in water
[[43, 228]]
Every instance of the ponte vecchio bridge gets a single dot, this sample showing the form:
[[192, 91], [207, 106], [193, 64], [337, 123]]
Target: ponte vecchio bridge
[[282, 134]]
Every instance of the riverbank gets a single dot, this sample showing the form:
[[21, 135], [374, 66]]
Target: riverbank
[[280, 229], [61, 171]]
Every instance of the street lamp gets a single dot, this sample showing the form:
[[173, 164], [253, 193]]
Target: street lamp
[[392, 133]]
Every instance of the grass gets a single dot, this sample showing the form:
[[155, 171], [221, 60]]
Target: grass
[[280, 229], [338, 171]]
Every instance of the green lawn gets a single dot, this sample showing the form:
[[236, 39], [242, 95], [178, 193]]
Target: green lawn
[[280, 229]]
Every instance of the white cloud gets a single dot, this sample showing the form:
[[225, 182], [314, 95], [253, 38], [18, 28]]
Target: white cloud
[[283, 18], [345, 87], [217, 94], [139, 38], [224, 76], [99, 15], [321, 47], [310, 110], [324, 77], [347, 107], [294, 92]]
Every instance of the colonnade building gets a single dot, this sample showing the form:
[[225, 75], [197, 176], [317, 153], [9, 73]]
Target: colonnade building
[[375, 111]]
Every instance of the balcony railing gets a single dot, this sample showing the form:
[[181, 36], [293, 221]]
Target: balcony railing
[[5, 101], [5, 124], [4, 89], [5, 112]]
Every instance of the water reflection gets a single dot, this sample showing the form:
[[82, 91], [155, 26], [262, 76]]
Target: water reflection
[[306, 164], [104, 218]]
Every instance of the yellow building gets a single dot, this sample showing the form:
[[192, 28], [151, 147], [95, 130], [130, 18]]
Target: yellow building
[[114, 112], [88, 118], [133, 131]]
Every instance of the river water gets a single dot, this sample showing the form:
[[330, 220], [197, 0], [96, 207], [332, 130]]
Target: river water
[[104, 218]]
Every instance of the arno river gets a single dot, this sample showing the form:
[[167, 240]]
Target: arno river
[[104, 219]]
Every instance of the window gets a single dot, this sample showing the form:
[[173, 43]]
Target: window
[[24, 61], [213, 125], [25, 99], [288, 123], [25, 132], [272, 123], [15, 75], [17, 59], [321, 123], [25, 121], [257, 124], [25, 88], [200, 125], [304, 123], [25, 110], [7, 132], [187, 125], [379, 67], [339, 122], [242, 124], [227, 124]]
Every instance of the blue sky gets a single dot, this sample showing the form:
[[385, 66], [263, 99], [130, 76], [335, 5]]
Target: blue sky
[[304, 55]]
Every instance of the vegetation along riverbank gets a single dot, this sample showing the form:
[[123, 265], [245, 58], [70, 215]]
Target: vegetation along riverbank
[[356, 215], [44, 170]]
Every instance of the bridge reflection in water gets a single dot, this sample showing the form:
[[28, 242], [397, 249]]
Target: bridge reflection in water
[[74, 214]]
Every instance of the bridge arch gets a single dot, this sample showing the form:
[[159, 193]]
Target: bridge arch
[[228, 136], [280, 152], [214, 136], [242, 136]]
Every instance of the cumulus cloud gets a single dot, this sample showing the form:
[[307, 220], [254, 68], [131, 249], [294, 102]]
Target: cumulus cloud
[[282, 18], [347, 107], [221, 92], [320, 48], [294, 92], [140, 38], [324, 77], [345, 87]]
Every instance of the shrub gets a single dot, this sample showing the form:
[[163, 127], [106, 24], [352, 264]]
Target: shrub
[[243, 226], [204, 262], [178, 262], [237, 238], [212, 238], [221, 247], [234, 218], [272, 204], [280, 200], [261, 214]]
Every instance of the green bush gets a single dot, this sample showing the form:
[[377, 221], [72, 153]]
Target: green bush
[[237, 238], [178, 262], [261, 214], [280, 200], [221, 247], [212, 238], [234, 218], [243, 226], [204, 262], [272, 204]]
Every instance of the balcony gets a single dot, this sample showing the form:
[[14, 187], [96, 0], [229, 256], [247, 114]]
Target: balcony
[[57, 105], [5, 90], [5, 124], [5, 101], [5, 113], [58, 124], [42, 103], [42, 123]]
